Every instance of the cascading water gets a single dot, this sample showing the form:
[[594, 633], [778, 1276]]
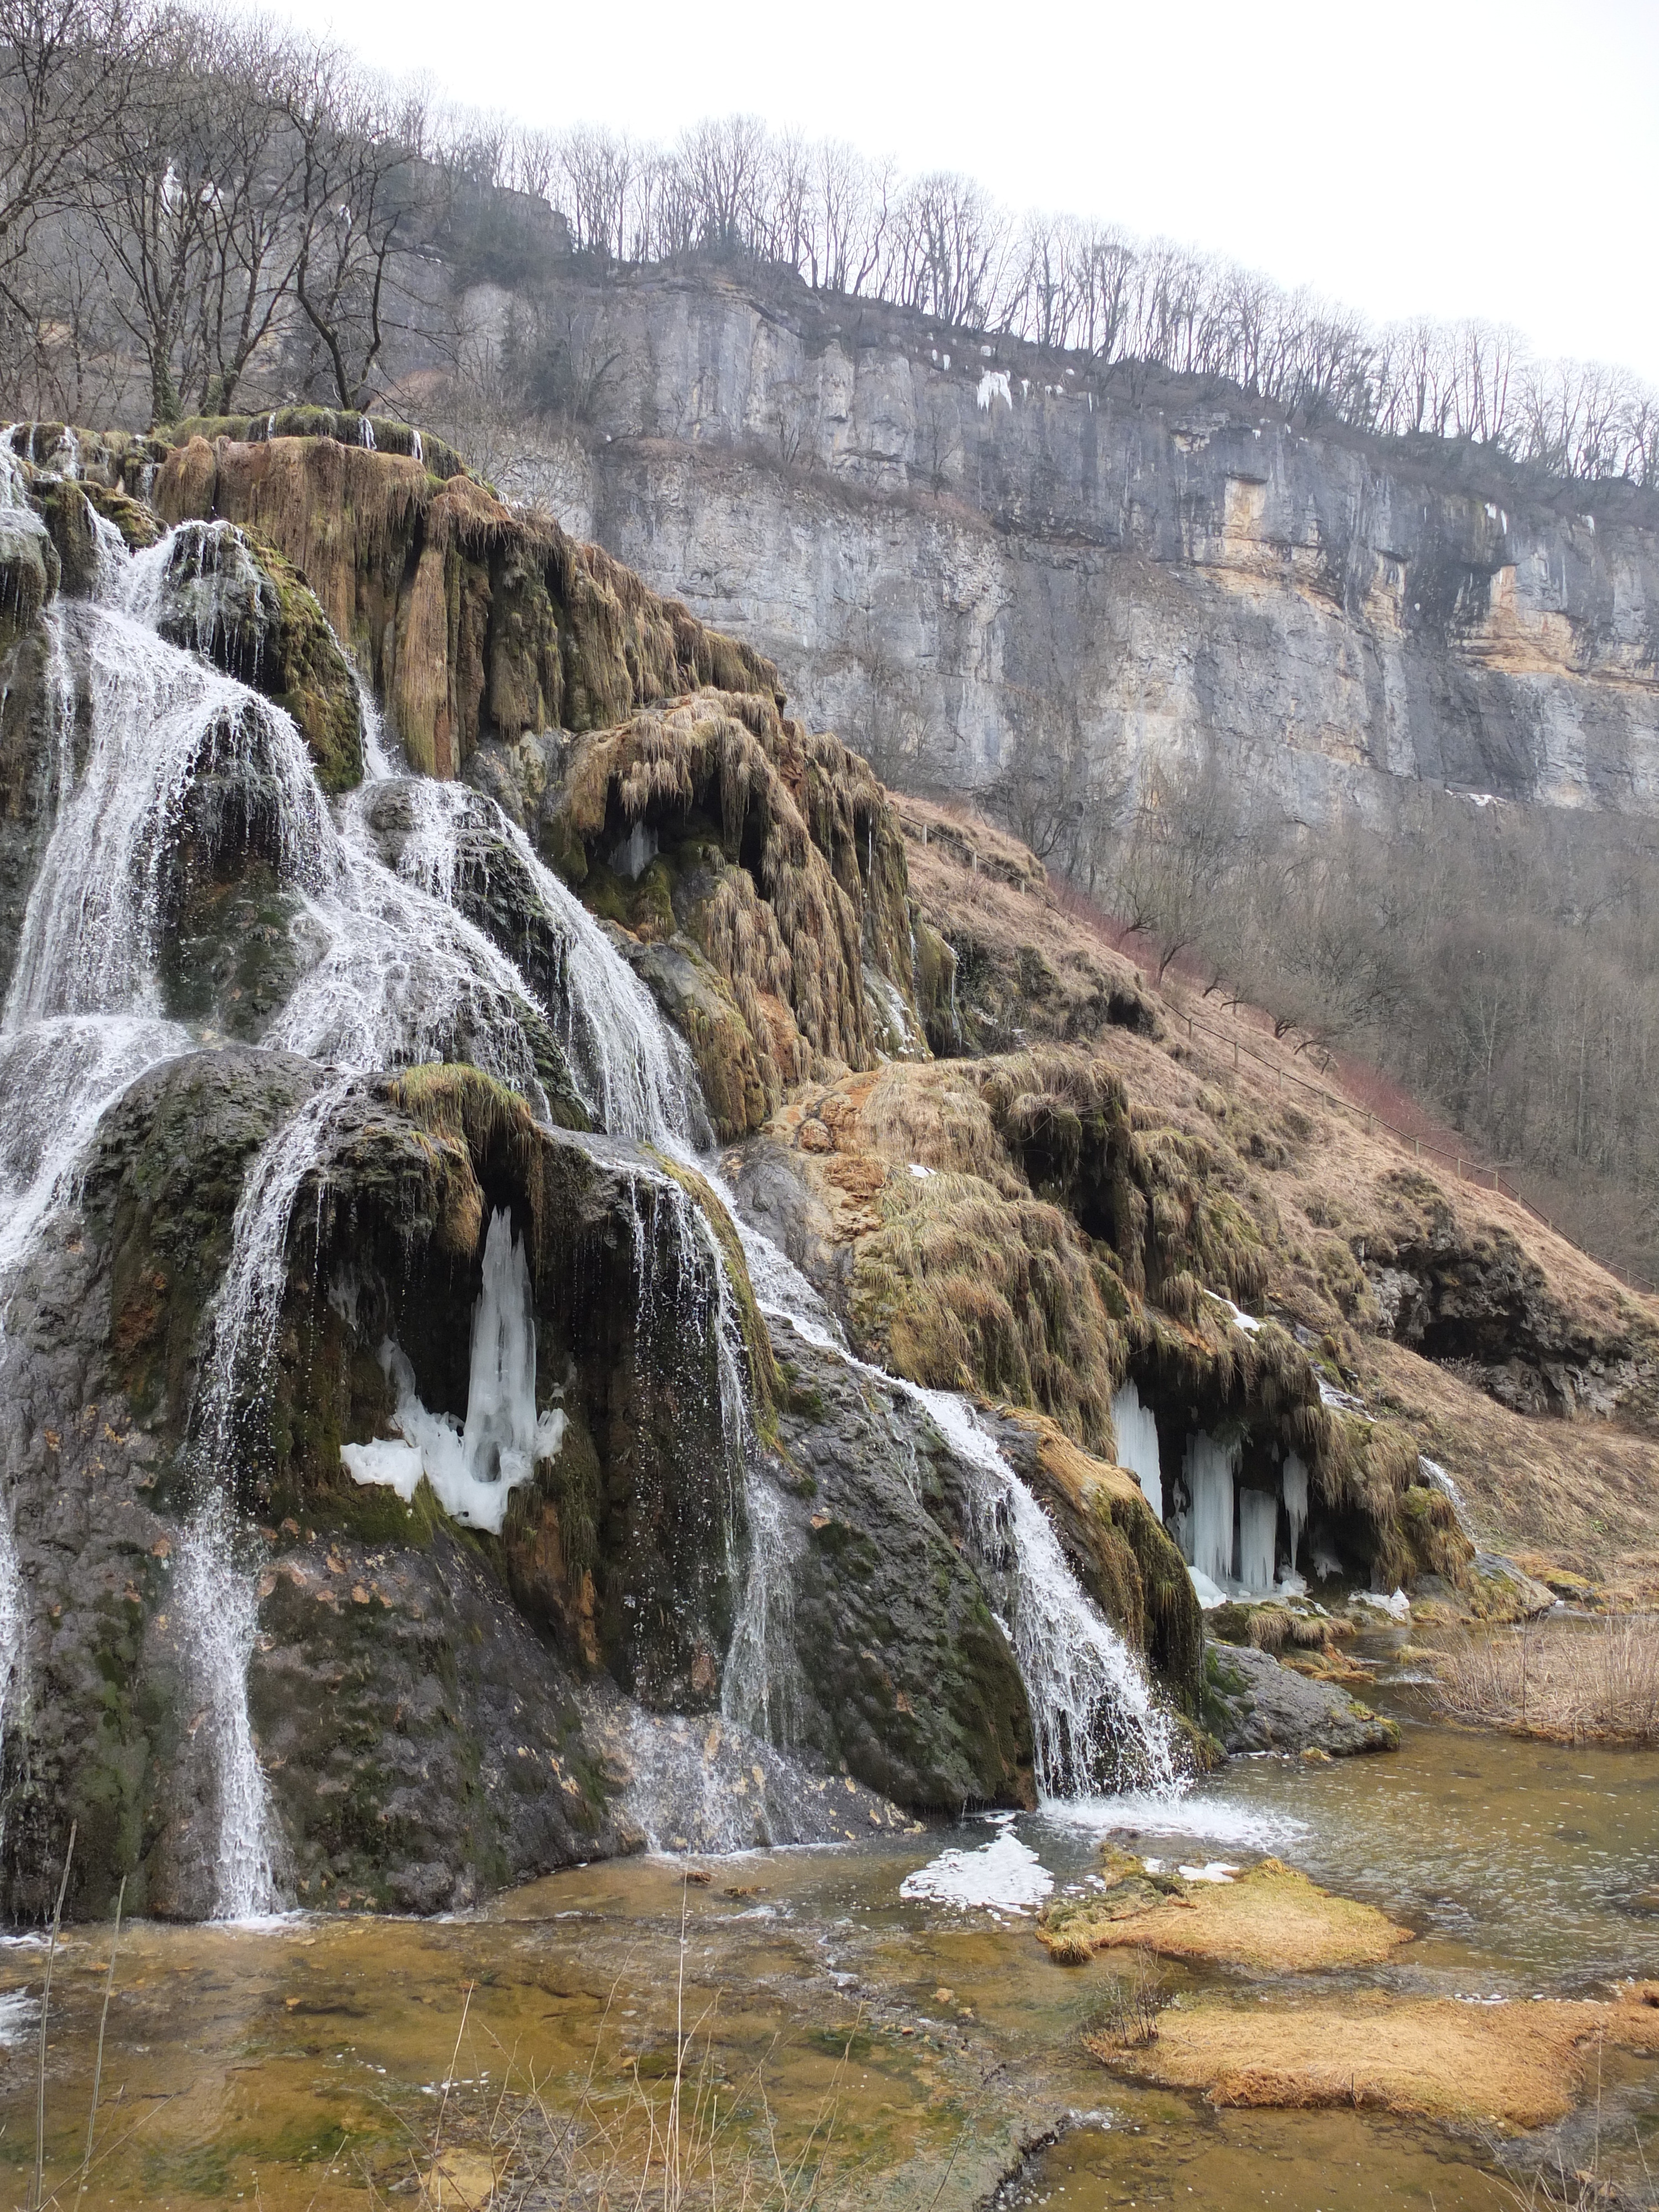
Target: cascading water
[[1095, 1721], [218, 1601], [83, 1018], [402, 975], [1094, 1715]]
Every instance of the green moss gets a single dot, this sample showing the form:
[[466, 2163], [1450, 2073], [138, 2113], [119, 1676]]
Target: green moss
[[140, 525], [757, 1343]]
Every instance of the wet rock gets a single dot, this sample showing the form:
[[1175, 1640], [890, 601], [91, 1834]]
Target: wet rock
[[1251, 1703], [494, 890], [249, 609], [412, 1687], [422, 1741], [1120, 1549], [33, 744], [29, 571], [903, 1673]]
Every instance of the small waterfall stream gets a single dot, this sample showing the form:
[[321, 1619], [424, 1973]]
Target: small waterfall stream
[[1096, 1726], [402, 976]]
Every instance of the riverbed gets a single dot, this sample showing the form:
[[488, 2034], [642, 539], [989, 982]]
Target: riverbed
[[830, 2032]]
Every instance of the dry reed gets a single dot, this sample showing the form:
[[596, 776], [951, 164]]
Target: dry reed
[[1574, 1681]]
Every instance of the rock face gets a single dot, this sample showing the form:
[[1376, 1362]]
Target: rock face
[[930, 533], [1257, 1704]]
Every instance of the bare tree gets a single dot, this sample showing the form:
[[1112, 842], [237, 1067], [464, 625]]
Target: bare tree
[[65, 75], [357, 195]]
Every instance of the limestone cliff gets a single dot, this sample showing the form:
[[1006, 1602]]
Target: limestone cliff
[[953, 544]]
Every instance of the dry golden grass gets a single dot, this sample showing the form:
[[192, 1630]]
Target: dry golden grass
[[1270, 1920], [1570, 1680], [1501, 2066]]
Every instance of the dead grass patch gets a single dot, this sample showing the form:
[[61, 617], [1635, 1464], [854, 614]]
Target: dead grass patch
[[1502, 2066], [1271, 1920], [1570, 1681]]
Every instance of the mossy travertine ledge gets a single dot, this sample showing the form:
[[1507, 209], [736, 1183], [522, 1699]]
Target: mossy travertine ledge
[[1506, 2066], [1016, 1228], [473, 620], [753, 874], [1271, 1919]]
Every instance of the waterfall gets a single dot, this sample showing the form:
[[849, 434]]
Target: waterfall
[[1095, 1722], [162, 723], [1434, 1474], [1135, 1428], [633, 1072], [401, 975], [83, 1018], [1093, 1711], [1094, 1727], [218, 1605]]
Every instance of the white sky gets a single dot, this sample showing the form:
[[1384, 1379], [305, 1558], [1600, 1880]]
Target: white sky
[[1432, 155]]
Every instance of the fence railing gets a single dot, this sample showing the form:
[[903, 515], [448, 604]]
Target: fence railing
[[1467, 1169]]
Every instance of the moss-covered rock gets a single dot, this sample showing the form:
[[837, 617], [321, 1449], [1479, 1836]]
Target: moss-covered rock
[[248, 609], [628, 1550], [903, 1674], [470, 618]]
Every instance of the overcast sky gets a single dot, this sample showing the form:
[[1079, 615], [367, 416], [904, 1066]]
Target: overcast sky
[[1423, 155]]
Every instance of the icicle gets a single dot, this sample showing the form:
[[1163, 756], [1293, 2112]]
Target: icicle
[[474, 1469], [1258, 1536], [1207, 1528], [1295, 1484], [1136, 1429]]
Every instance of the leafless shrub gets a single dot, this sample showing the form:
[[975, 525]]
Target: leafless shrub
[[1129, 2018], [1577, 1682]]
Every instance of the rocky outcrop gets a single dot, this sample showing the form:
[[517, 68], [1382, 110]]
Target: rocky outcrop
[[250, 612], [472, 620], [757, 878], [1478, 1303], [954, 546], [1255, 1704], [906, 1682]]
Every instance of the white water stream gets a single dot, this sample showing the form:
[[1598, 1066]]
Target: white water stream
[[401, 976]]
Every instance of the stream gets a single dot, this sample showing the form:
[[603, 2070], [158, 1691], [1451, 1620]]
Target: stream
[[916, 2045]]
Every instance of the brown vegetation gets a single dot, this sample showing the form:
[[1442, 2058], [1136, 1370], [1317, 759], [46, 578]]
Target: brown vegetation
[[813, 884], [1270, 1920], [1571, 1681], [1332, 1198], [1500, 2066]]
